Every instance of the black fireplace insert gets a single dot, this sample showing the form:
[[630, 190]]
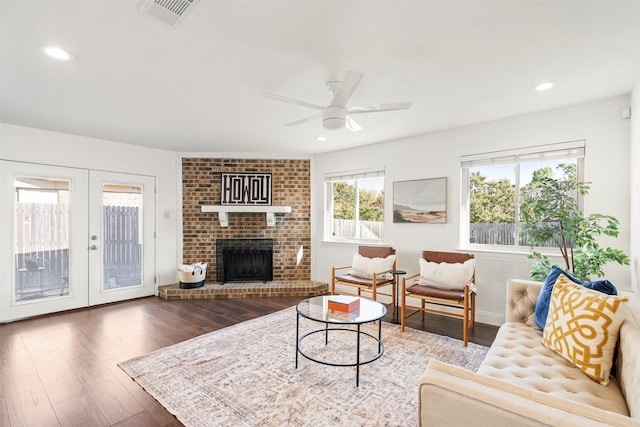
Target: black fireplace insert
[[244, 260]]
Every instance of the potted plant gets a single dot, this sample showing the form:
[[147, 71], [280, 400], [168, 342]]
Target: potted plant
[[550, 213]]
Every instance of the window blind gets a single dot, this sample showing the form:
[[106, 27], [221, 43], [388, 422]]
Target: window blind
[[572, 149], [355, 174]]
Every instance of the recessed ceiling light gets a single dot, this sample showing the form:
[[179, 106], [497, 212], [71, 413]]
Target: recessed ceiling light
[[321, 138], [55, 52], [544, 86]]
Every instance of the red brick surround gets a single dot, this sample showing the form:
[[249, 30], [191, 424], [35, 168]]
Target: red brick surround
[[201, 181]]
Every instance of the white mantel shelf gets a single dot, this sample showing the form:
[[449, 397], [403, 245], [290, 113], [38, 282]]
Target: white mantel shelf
[[224, 210]]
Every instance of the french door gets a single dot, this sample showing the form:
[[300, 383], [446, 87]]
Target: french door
[[73, 237], [121, 236]]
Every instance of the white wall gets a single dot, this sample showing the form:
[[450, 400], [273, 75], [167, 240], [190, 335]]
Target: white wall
[[438, 155], [38, 146], [607, 165], [635, 186]]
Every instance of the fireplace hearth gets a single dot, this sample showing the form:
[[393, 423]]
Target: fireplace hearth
[[244, 260]]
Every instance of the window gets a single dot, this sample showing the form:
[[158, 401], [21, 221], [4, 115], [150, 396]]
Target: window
[[354, 205], [494, 182]]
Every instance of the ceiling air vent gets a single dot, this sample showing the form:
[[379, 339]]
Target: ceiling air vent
[[170, 11]]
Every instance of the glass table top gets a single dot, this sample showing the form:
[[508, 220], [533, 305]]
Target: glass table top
[[317, 308]]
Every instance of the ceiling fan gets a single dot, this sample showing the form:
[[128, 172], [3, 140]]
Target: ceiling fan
[[337, 115]]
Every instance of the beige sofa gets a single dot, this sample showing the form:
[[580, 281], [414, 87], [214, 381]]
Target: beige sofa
[[522, 383]]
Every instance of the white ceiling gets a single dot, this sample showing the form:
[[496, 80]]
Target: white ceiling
[[197, 86]]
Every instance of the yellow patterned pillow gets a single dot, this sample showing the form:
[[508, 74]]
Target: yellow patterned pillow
[[583, 327]]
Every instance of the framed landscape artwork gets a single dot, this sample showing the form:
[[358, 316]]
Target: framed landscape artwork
[[420, 201]]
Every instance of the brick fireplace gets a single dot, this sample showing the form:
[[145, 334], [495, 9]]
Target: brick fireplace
[[291, 234]]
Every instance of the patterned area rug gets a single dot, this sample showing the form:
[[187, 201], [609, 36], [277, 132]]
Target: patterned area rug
[[245, 375]]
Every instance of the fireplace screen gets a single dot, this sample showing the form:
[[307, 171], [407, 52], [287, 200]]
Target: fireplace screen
[[244, 260]]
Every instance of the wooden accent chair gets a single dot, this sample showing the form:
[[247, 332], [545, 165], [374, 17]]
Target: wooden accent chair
[[434, 295], [367, 282]]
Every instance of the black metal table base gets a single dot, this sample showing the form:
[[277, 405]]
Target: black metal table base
[[326, 330]]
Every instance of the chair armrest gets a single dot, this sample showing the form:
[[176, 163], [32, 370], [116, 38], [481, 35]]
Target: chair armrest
[[522, 296], [341, 268], [413, 276], [452, 396], [376, 276], [406, 279]]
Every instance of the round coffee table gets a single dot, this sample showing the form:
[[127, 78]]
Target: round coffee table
[[317, 309]]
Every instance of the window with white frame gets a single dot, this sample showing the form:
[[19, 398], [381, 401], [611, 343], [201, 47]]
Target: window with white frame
[[493, 184], [354, 205]]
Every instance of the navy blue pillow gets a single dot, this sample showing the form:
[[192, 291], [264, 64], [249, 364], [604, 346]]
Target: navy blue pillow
[[544, 299], [604, 286]]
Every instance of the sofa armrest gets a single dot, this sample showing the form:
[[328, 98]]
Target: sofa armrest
[[522, 296], [452, 396]]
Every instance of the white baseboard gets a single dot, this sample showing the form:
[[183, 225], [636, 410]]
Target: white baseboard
[[489, 318]]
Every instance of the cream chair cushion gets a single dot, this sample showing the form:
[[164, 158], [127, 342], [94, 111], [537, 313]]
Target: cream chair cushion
[[367, 267], [444, 275]]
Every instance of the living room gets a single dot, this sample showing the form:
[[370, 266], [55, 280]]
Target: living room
[[611, 139]]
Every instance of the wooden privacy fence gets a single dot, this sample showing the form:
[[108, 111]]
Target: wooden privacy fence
[[42, 232], [122, 246], [41, 227], [504, 233], [42, 235], [346, 228]]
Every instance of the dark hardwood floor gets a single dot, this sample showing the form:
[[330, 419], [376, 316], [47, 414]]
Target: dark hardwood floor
[[61, 369]]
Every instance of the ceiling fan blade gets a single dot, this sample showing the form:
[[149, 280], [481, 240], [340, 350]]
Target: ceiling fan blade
[[352, 125], [305, 120], [349, 83], [379, 107], [291, 101]]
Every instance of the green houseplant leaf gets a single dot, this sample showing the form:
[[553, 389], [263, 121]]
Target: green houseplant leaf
[[550, 213]]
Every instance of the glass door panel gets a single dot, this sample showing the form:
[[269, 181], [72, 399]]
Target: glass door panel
[[41, 238], [122, 224]]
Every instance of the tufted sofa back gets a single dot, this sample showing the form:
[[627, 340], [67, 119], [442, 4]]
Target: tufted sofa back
[[628, 356], [521, 305], [521, 301]]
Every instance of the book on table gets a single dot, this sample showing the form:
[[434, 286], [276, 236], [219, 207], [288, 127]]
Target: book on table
[[344, 303]]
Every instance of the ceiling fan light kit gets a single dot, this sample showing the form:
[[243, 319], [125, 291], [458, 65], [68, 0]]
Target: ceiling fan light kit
[[334, 117], [337, 115]]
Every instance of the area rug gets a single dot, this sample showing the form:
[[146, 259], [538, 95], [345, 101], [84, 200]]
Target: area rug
[[245, 375]]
